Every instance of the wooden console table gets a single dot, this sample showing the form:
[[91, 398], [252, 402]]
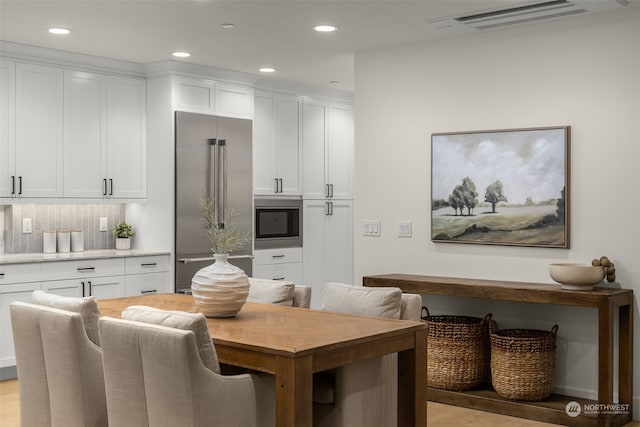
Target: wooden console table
[[552, 410]]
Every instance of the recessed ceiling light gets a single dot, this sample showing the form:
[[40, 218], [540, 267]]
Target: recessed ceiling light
[[325, 28], [181, 54], [267, 70], [59, 30], [227, 26]]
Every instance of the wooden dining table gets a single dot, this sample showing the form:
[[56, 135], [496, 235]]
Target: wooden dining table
[[292, 343]]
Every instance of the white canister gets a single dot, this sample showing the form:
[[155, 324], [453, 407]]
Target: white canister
[[49, 241], [64, 241], [77, 241]]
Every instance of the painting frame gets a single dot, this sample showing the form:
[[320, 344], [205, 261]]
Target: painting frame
[[522, 195]]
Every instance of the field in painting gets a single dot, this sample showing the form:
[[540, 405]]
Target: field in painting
[[510, 225]]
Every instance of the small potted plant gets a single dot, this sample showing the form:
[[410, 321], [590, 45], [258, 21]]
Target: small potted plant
[[123, 232]]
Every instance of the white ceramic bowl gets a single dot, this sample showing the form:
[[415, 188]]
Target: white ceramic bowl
[[576, 276]]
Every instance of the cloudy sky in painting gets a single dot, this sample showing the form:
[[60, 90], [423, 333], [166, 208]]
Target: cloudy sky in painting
[[529, 163]]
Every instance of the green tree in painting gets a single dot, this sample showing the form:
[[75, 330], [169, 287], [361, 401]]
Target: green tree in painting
[[464, 196], [470, 194], [494, 194]]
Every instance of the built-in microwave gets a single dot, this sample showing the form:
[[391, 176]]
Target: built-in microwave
[[278, 223]]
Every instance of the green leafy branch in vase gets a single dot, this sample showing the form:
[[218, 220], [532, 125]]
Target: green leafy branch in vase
[[224, 238]]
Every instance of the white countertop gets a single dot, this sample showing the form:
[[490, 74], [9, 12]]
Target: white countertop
[[95, 254]]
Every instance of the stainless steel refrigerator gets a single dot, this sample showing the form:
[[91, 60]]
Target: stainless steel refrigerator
[[213, 157]]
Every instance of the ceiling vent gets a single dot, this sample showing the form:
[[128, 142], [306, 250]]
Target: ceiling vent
[[522, 14]]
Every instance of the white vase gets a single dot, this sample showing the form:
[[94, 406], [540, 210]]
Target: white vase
[[220, 289], [123, 243]]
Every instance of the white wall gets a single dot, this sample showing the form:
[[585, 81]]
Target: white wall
[[583, 72]]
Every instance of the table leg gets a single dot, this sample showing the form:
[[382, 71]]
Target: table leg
[[625, 356], [412, 384], [605, 360], [294, 386]]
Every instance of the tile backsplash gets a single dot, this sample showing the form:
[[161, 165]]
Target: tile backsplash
[[85, 217]]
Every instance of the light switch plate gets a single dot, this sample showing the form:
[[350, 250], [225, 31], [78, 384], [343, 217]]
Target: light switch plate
[[372, 227], [404, 228], [27, 226], [103, 223]]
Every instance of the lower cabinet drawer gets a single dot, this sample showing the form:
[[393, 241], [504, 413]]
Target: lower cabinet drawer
[[146, 284], [289, 271]]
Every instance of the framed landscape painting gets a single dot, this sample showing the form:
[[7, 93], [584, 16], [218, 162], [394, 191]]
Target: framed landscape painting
[[501, 187]]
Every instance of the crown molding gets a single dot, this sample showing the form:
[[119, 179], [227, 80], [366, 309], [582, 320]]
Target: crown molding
[[62, 58]]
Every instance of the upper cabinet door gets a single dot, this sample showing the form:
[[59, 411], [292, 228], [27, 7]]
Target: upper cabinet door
[[264, 144], [194, 95], [277, 154], [339, 152], [7, 127], [289, 153], [233, 101], [327, 140], [85, 134], [126, 138], [39, 131], [314, 137]]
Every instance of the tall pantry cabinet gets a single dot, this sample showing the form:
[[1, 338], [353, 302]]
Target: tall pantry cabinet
[[328, 145]]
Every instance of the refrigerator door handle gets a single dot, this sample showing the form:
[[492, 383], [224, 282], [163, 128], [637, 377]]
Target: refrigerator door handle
[[221, 175], [210, 258]]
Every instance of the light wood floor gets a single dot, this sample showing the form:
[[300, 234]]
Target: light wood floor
[[438, 415]]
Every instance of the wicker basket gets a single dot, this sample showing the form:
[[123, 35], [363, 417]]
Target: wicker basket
[[523, 362], [457, 351]]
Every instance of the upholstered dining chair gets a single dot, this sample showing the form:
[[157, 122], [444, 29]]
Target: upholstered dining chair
[[59, 368], [280, 292], [156, 375], [363, 393]]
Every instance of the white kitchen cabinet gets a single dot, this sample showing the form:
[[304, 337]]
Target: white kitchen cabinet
[[126, 138], [7, 125], [276, 141], [102, 278], [278, 264], [17, 282], [233, 101], [328, 245], [204, 96], [147, 275], [85, 134], [105, 136], [327, 146], [8, 294], [37, 169]]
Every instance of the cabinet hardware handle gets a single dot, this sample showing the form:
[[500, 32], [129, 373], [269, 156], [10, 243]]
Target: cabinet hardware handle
[[326, 190], [280, 180], [277, 256], [331, 190], [326, 208], [278, 278], [82, 283], [275, 181], [148, 264], [104, 186], [86, 268], [20, 185], [1, 274], [90, 290], [13, 185], [152, 291], [110, 187], [330, 208]]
